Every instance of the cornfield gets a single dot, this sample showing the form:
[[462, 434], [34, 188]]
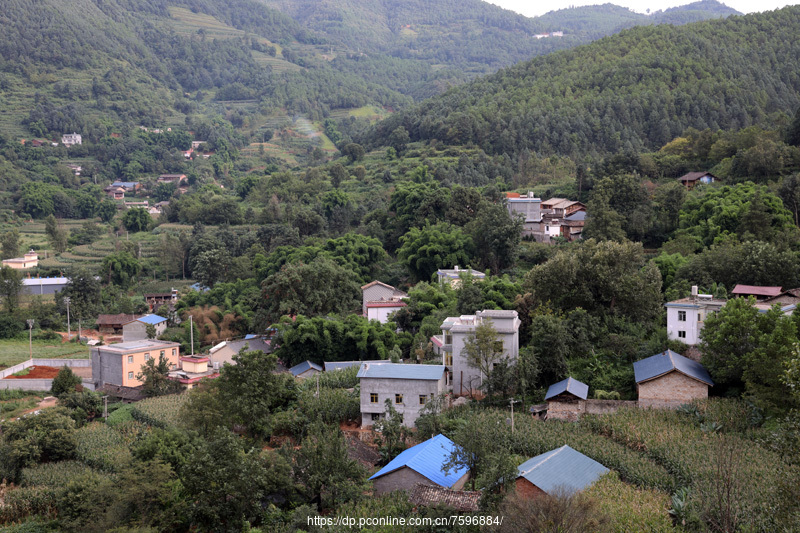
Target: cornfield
[[631, 508], [53, 474], [102, 447], [161, 411]]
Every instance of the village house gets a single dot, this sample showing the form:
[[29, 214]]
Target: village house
[[172, 178], [156, 299], [566, 400], [112, 324], [115, 193], [70, 139], [560, 471], [305, 370], [668, 380], [452, 276], [137, 329], [128, 186], [528, 208], [43, 286], [561, 218], [455, 332], [193, 369], [223, 352], [759, 293], [691, 179], [29, 260], [423, 463], [119, 364], [76, 169], [144, 204], [686, 316], [379, 300], [408, 387]]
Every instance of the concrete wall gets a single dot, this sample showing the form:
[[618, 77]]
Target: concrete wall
[[691, 326], [106, 368], [670, 390], [137, 331], [571, 410], [465, 376], [411, 389], [528, 490], [604, 407], [381, 314], [41, 384]]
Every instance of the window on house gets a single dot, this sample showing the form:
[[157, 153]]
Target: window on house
[[398, 398], [699, 317], [422, 399], [147, 357], [681, 334], [682, 316], [130, 375], [376, 416], [373, 397], [130, 359], [162, 353], [448, 359], [173, 352]]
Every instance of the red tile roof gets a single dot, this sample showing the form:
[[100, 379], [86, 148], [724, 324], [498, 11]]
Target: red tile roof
[[755, 290], [459, 500]]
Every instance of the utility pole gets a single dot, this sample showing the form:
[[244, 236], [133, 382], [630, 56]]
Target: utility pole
[[191, 332], [79, 331], [69, 334], [512, 402], [105, 407], [30, 336]]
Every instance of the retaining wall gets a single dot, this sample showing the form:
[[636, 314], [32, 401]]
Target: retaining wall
[[41, 384]]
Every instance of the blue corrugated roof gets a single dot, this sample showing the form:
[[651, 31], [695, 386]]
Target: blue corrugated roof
[[399, 371], [152, 319], [298, 369], [562, 468], [664, 362], [428, 459], [125, 184], [571, 385], [341, 365]]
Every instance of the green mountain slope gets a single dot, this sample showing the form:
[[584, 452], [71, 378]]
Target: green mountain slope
[[469, 33], [632, 91]]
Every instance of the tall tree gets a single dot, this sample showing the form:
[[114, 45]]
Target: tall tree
[[56, 234], [10, 288], [483, 348], [496, 236], [424, 250], [10, 244]]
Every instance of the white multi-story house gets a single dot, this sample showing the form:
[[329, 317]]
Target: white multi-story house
[[379, 300], [408, 387], [68, 139], [685, 317], [455, 332]]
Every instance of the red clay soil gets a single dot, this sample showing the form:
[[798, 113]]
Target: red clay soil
[[38, 372]]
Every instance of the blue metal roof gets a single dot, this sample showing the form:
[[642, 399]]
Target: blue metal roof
[[664, 362], [570, 385], [125, 184], [298, 369], [427, 459], [562, 468], [152, 319], [399, 371]]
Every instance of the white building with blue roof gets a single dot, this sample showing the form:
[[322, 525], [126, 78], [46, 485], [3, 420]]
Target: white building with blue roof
[[669, 379], [136, 330], [423, 463], [560, 471], [408, 387]]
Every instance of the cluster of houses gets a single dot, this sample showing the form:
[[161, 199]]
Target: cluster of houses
[[686, 316], [546, 220]]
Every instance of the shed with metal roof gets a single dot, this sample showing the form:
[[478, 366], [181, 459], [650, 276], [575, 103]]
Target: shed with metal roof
[[563, 470], [305, 369], [136, 329], [669, 379], [569, 386], [423, 463]]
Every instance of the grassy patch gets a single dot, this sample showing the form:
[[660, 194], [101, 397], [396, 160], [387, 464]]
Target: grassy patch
[[13, 351], [23, 372], [631, 508]]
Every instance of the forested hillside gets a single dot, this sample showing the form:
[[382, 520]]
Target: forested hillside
[[633, 91]]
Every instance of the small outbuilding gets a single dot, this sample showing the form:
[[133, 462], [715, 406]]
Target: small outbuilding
[[136, 329], [560, 471], [669, 379], [566, 400], [423, 463], [693, 178], [304, 370]]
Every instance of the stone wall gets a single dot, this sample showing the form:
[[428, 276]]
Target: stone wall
[[603, 407], [670, 390], [566, 409], [402, 479]]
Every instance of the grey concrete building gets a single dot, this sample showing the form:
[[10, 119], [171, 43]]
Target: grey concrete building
[[456, 331], [408, 387], [224, 351], [119, 364], [136, 330]]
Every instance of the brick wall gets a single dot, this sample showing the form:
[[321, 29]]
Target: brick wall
[[669, 390], [402, 479], [565, 409], [527, 490]]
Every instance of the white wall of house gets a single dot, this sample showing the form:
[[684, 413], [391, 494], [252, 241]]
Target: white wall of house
[[381, 314], [684, 324], [387, 388]]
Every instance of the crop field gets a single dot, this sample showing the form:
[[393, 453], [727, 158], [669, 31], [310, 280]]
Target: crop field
[[161, 411]]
